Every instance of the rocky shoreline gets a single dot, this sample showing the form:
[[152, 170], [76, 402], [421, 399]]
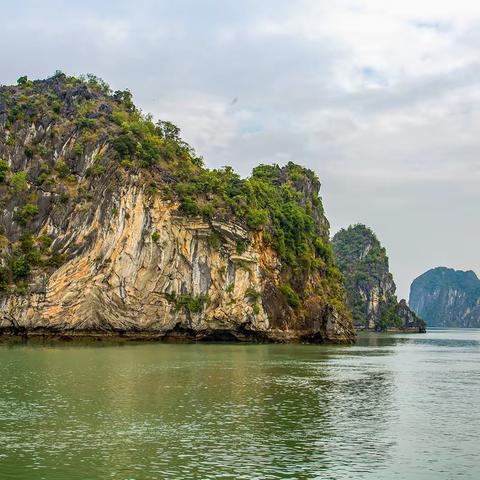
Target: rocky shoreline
[[208, 336]]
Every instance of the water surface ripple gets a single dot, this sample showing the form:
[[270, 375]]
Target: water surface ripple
[[393, 406]]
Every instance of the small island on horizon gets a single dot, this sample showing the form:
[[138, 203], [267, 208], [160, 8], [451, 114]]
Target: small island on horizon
[[445, 297]]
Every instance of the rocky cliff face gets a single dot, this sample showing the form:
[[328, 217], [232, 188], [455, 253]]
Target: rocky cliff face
[[110, 224], [447, 298], [408, 319], [369, 283]]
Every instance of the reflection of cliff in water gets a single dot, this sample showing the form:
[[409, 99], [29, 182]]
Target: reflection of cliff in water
[[291, 410]]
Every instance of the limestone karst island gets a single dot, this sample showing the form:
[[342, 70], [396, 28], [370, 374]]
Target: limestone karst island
[[112, 225]]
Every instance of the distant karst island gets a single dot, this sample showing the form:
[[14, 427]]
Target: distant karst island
[[445, 297]]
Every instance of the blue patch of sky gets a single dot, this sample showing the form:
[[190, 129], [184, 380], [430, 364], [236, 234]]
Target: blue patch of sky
[[440, 27], [251, 129], [373, 76]]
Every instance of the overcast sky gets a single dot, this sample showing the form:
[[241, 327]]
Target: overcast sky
[[380, 98]]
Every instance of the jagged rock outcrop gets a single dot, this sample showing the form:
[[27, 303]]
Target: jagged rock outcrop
[[445, 297], [110, 224], [369, 283], [409, 320]]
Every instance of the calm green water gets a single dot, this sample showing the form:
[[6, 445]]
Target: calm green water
[[398, 406]]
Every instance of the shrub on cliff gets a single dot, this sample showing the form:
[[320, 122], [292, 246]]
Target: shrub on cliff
[[26, 213], [18, 182], [290, 295], [4, 169]]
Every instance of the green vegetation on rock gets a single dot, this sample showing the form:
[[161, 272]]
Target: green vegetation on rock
[[364, 264], [292, 298], [103, 141], [4, 169], [368, 282], [190, 303]]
